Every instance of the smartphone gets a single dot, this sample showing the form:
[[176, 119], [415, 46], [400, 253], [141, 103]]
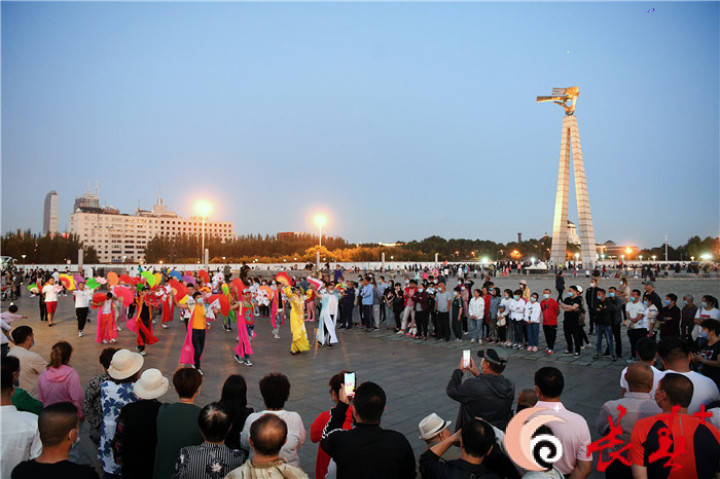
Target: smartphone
[[466, 358], [350, 384]]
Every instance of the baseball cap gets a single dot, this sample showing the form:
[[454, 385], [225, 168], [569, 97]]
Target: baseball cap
[[495, 356]]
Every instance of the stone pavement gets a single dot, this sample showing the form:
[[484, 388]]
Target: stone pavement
[[414, 374]]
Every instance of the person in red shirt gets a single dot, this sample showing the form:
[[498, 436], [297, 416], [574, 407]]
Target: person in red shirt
[[409, 310], [674, 444], [550, 311], [316, 429]]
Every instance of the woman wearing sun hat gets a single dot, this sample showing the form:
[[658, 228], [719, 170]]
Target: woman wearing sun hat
[[114, 394], [136, 432]]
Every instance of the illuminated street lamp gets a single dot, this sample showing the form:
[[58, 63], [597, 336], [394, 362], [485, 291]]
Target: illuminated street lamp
[[23, 256], [640, 257], [653, 257], [320, 222], [706, 256], [203, 208]]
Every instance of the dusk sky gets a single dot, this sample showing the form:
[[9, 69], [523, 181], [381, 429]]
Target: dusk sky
[[399, 120]]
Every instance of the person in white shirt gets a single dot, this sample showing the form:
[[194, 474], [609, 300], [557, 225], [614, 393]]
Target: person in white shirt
[[19, 437], [505, 303], [476, 314], [49, 292], [649, 316], [32, 365], [82, 306], [675, 356], [5, 346], [275, 390], [635, 320], [646, 353], [708, 309], [533, 313], [517, 316]]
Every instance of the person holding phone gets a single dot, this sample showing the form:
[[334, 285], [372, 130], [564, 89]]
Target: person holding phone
[[367, 450]]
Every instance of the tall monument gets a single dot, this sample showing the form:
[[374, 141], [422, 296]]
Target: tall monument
[[566, 97]]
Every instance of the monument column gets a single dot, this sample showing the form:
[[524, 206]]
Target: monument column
[[587, 235], [559, 231]]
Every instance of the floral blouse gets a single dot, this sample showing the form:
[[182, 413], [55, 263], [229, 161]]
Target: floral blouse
[[113, 397]]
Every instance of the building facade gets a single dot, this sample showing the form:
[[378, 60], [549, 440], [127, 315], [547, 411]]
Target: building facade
[[50, 214], [120, 237]]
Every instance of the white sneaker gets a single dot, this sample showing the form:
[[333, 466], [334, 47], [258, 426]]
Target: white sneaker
[[165, 326], [472, 340], [104, 341], [81, 334], [113, 340], [248, 362], [119, 329], [479, 341]]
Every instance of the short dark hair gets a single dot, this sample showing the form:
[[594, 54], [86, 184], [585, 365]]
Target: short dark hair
[[10, 365], [549, 381], [711, 325], [21, 333], [214, 422], [673, 348], [600, 290], [196, 294], [275, 390], [636, 291], [478, 437], [13, 308], [109, 295], [337, 381], [268, 433], [56, 421], [672, 297], [646, 349], [107, 355], [187, 381], [369, 402], [678, 388]]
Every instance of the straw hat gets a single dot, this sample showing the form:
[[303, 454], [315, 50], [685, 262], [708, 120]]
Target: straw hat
[[151, 385], [124, 364]]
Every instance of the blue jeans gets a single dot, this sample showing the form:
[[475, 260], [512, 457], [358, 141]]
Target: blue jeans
[[533, 332], [604, 330], [475, 328]]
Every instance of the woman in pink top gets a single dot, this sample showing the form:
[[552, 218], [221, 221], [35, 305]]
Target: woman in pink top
[[60, 382]]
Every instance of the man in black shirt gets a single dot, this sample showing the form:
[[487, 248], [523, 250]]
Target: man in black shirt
[[669, 318], [59, 428], [651, 295], [367, 451], [604, 316], [591, 300], [559, 284], [572, 306], [477, 440]]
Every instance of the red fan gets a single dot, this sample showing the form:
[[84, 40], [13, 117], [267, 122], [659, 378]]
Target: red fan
[[238, 285], [204, 276], [284, 278], [67, 282], [126, 279], [125, 293], [179, 288], [221, 301], [99, 298]]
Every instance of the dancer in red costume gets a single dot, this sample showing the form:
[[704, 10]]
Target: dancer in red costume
[[142, 322]]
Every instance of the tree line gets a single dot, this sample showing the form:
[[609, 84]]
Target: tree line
[[46, 249]]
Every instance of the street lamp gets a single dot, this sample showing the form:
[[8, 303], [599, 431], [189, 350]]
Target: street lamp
[[653, 257], [203, 208], [23, 256], [640, 258], [320, 221]]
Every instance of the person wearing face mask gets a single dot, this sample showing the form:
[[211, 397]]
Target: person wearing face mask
[[651, 314], [517, 316], [617, 306], [505, 304], [708, 310], [422, 310], [572, 306], [669, 317], [550, 310], [456, 315], [687, 316], [195, 338], [636, 324], [532, 322], [604, 315]]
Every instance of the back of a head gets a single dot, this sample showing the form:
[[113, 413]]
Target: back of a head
[[214, 422], [673, 349], [646, 349], [369, 402], [60, 354], [275, 390], [526, 398], [234, 391], [477, 438], [639, 377], [20, 334], [56, 421], [268, 433], [106, 356], [678, 388], [549, 381], [10, 365], [187, 381]]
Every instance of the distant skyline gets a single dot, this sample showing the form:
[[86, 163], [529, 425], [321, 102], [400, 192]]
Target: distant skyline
[[399, 120]]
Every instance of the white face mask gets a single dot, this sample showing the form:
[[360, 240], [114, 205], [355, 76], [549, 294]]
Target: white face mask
[[200, 301]]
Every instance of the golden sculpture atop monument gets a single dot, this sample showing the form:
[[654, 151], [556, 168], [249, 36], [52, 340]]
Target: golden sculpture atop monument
[[562, 96]]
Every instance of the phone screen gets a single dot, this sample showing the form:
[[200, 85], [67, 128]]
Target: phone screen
[[466, 358], [350, 384]]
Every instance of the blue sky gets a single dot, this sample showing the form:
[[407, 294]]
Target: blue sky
[[400, 120]]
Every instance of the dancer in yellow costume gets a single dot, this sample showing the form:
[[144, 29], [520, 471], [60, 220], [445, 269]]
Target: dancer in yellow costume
[[297, 321]]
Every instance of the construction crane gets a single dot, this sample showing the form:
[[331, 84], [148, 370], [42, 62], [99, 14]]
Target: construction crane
[[562, 96]]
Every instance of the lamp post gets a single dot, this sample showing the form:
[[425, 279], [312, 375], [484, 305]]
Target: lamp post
[[23, 256], [203, 208], [320, 221]]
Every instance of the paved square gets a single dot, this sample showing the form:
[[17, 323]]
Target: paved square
[[414, 374]]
